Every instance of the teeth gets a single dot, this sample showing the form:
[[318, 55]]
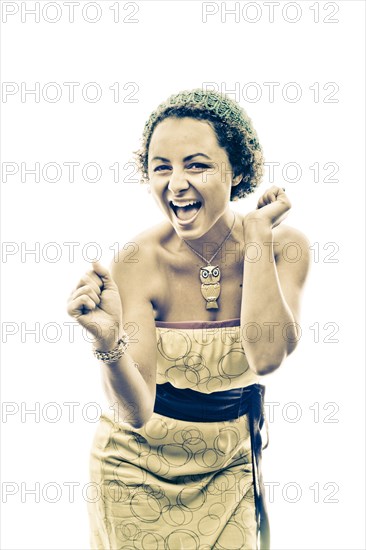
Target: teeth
[[185, 203]]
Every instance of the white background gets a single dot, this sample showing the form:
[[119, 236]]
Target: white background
[[317, 432]]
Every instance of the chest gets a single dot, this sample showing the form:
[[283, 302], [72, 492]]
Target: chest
[[180, 296]]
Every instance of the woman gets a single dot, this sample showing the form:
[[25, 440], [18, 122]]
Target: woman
[[211, 305]]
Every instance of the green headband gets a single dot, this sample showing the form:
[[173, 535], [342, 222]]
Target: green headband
[[223, 107]]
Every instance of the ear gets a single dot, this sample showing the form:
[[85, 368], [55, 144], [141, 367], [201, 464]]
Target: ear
[[236, 180]]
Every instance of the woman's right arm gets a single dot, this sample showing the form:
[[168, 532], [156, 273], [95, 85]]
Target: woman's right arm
[[112, 302]]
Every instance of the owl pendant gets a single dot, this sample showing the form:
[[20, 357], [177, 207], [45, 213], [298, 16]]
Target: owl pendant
[[210, 285]]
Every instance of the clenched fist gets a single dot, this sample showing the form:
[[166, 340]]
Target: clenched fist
[[96, 305], [272, 208]]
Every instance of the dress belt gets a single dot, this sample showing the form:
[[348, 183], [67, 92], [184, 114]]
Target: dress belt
[[194, 406]]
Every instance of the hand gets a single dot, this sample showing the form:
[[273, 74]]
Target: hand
[[96, 305], [272, 208]]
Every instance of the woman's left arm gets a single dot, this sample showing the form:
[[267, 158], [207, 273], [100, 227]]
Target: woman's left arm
[[277, 260]]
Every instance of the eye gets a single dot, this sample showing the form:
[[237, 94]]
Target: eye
[[161, 168], [197, 166], [215, 272], [204, 273]]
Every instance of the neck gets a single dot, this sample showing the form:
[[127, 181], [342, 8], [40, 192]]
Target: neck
[[219, 234]]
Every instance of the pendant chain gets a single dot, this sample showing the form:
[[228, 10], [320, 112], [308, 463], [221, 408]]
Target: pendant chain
[[218, 250]]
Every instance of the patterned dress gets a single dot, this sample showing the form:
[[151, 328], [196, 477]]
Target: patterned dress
[[183, 484]]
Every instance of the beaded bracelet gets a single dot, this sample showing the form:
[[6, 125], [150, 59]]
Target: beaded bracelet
[[114, 354]]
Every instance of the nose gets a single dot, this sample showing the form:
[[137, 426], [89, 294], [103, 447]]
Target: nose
[[177, 182]]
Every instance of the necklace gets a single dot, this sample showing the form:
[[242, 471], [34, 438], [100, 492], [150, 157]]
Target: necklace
[[210, 275]]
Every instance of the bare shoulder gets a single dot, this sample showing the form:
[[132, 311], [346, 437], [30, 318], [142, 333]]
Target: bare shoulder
[[134, 264], [292, 250], [285, 234], [142, 246]]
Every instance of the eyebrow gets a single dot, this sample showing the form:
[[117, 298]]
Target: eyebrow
[[185, 158]]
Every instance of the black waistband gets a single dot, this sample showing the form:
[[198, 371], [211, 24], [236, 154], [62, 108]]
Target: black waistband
[[193, 406]]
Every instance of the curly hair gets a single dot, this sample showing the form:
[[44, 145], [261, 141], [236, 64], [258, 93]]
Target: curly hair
[[232, 126]]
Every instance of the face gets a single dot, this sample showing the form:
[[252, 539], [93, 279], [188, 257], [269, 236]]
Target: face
[[187, 165]]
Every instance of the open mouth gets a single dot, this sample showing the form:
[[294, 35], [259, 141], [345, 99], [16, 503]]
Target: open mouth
[[186, 213]]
